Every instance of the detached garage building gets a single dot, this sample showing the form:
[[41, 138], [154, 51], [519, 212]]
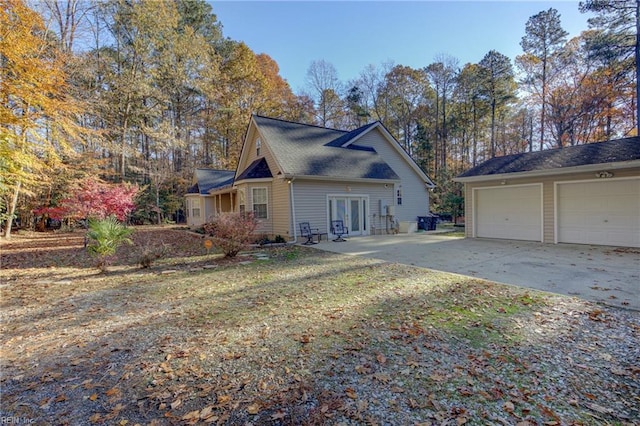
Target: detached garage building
[[584, 194]]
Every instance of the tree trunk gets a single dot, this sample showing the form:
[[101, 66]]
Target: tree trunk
[[492, 152], [444, 129], [637, 67], [12, 210], [544, 101]]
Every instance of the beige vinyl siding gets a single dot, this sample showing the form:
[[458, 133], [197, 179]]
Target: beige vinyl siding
[[281, 208], [209, 210], [415, 194], [278, 208], [264, 152], [548, 191], [311, 201], [265, 226]]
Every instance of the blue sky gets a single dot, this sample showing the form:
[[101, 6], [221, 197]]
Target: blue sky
[[352, 35]]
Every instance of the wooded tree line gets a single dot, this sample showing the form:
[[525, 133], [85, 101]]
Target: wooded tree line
[[145, 91]]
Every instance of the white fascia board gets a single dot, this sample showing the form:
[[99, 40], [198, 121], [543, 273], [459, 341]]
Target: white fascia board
[[550, 172], [261, 180], [224, 190], [243, 154]]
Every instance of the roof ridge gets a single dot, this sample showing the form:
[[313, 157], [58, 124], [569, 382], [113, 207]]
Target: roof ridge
[[300, 124], [214, 170]]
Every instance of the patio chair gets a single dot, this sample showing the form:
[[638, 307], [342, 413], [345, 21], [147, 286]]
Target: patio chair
[[338, 229], [307, 232]]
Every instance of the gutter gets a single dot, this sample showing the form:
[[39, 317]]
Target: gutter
[[293, 211]]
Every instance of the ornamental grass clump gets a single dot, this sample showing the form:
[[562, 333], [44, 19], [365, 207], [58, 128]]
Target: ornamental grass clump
[[105, 236], [231, 232]]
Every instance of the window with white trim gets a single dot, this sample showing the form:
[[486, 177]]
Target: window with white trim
[[241, 202], [258, 147], [195, 209], [260, 204]]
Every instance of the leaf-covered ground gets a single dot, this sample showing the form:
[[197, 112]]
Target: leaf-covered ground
[[297, 336]]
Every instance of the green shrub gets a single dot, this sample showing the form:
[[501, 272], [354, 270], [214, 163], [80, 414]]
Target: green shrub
[[231, 232], [105, 236]]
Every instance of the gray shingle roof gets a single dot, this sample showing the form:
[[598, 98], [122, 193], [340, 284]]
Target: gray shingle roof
[[614, 151], [208, 179], [306, 150], [256, 170]]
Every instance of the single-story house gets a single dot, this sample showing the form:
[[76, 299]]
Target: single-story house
[[584, 194], [208, 195], [291, 172]]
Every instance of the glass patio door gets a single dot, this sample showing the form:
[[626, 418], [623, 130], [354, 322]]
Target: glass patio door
[[351, 211]]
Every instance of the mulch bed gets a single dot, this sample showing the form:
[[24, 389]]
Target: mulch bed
[[293, 335]]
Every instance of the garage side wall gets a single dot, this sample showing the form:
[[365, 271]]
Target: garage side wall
[[548, 194]]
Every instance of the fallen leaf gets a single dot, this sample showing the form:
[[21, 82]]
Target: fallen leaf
[[253, 408], [223, 399], [508, 406], [619, 371], [206, 412], [175, 404], [599, 408], [112, 392], [278, 415], [93, 397], [381, 358], [192, 415], [351, 393], [437, 377]]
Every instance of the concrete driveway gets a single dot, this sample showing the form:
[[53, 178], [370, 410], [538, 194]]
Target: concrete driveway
[[607, 275]]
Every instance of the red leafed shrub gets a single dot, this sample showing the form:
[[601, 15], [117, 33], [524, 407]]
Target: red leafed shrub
[[231, 232], [93, 198]]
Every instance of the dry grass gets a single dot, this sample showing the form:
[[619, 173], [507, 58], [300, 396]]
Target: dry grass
[[300, 337]]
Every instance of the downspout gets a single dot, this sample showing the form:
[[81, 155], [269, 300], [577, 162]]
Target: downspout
[[293, 212]]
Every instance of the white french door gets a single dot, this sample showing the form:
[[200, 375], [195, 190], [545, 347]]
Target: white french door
[[352, 211]]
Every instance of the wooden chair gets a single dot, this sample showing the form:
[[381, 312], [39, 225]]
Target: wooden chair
[[338, 229], [307, 232]]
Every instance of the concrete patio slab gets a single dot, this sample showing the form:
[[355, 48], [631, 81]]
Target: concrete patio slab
[[609, 275]]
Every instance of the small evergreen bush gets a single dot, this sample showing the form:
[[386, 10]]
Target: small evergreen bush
[[105, 236]]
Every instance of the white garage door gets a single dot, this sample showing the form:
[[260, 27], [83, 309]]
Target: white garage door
[[604, 212], [510, 212]]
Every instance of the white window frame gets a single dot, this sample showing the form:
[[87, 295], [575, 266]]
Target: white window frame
[[195, 211], [266, 201]]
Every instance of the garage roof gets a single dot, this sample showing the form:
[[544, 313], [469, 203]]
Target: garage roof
[[614, 151]]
